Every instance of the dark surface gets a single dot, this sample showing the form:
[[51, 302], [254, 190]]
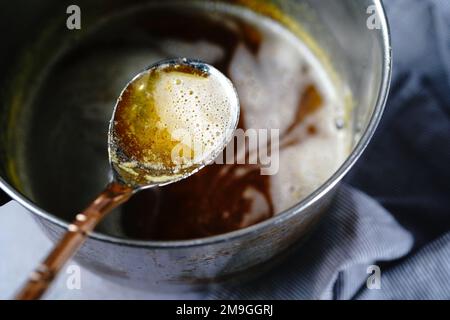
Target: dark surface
[[3, 198], [407, 165]]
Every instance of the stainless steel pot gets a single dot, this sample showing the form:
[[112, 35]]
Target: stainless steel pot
[[359, 54]]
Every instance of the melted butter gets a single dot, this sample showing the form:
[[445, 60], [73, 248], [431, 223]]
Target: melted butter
[[170, 121]]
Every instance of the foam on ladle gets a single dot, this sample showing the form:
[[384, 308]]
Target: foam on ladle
[[171, 120]]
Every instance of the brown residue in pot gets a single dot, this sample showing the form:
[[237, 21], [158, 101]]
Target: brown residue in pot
[[219, 198]]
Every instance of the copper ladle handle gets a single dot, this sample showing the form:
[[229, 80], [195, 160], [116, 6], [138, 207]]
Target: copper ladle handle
[[85, 222]]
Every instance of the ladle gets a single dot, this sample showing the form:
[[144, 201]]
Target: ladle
[[170, 121]]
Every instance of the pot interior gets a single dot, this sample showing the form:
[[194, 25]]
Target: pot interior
[[62, 86]]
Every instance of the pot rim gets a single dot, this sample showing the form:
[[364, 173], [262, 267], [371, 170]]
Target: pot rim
[[277, 219]]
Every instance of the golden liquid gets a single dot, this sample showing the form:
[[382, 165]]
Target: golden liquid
[[169, 121]]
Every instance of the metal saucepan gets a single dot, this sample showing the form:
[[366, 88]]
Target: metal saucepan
[[36, 35]]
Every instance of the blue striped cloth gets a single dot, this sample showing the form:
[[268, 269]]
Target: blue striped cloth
[[403, 228]]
